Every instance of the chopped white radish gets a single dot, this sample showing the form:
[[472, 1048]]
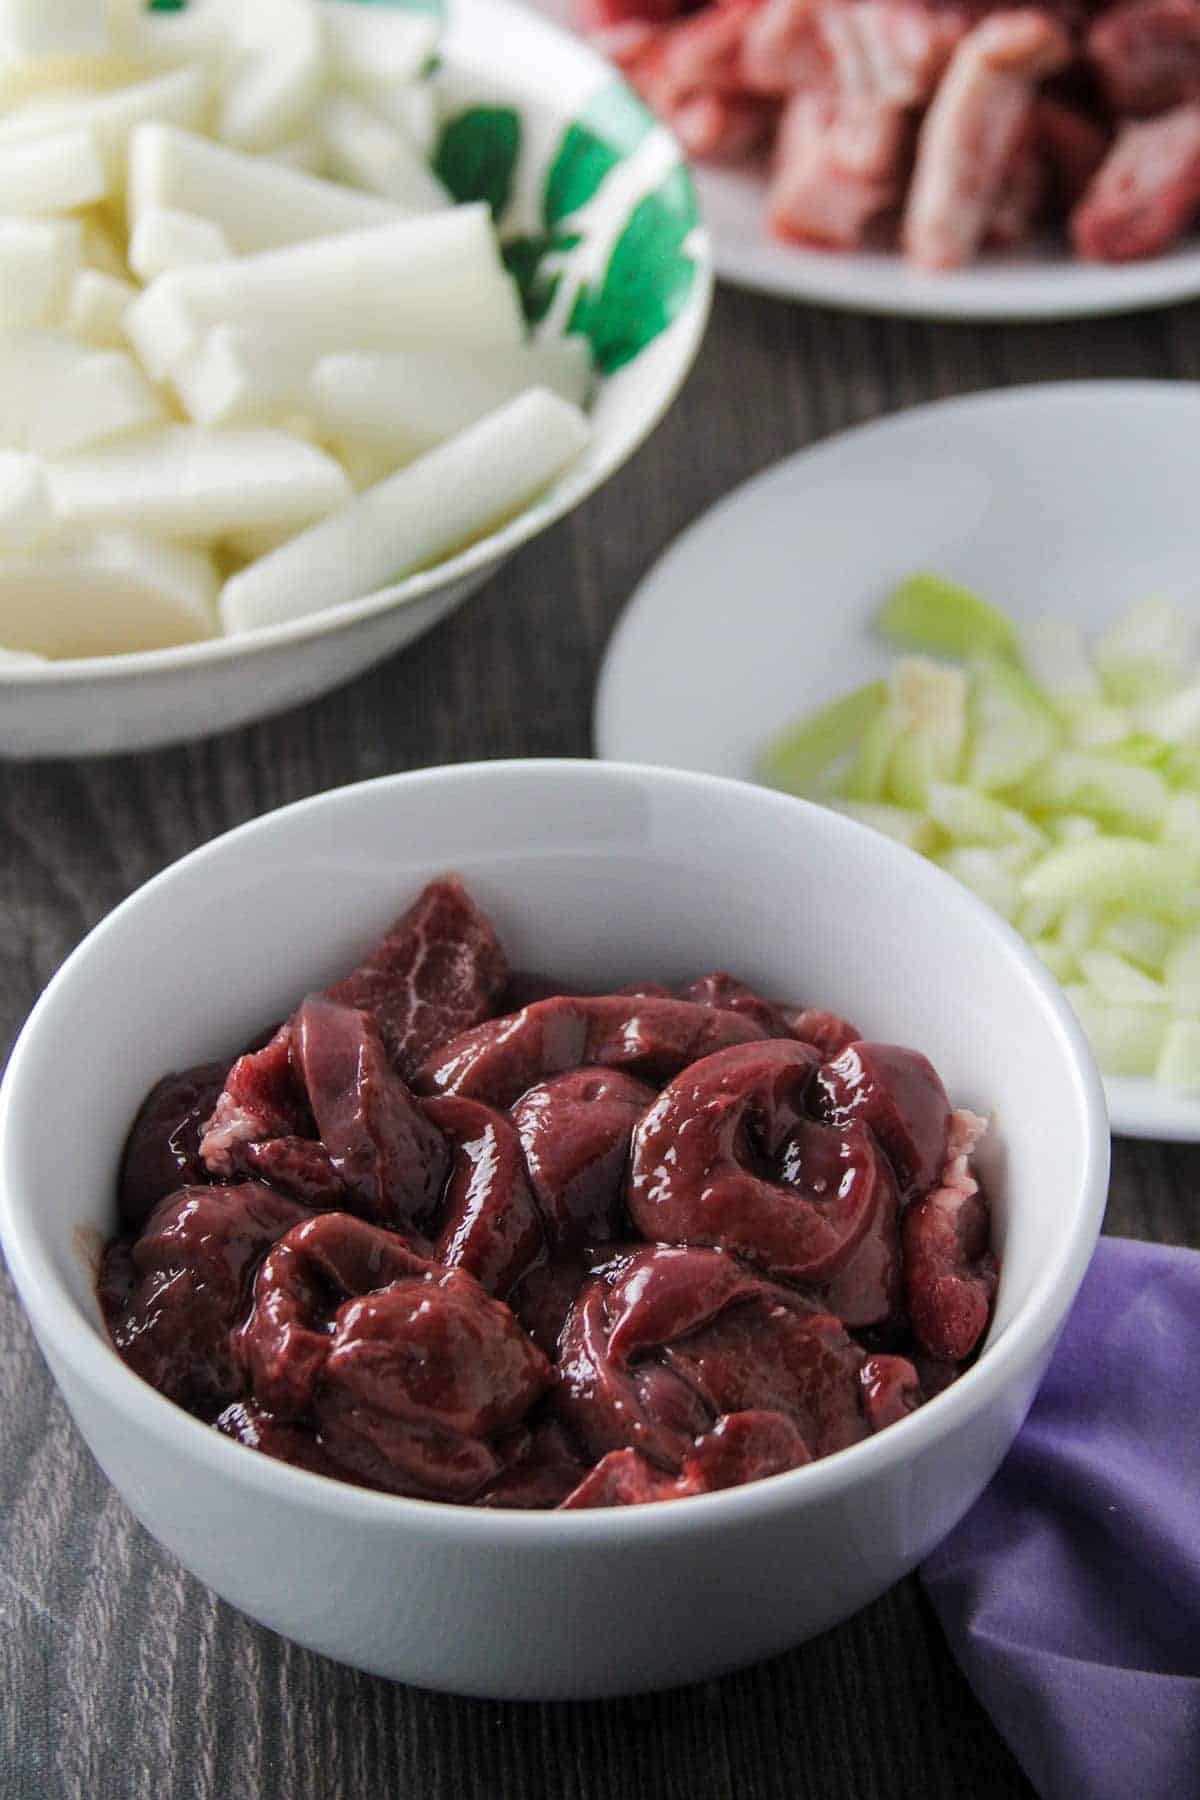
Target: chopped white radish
[[437, 277], [189, 483], [258, 203], [412, 108], [39, 260], [406, 401], [250, 545], [202, 31], [366, 150], [164, 238], [31, 28], [241, 376], [97, 307], [24, 500], [276, 75], [100, 249], [304, 153], [58, 395], [51, 174], [427, 511], [376, 44], [179, 97], [117, 592]]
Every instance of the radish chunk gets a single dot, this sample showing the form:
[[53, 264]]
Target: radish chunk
[[97, 307], [39, 260], [376, 45], [57, 395], [437, 277], [51, 174], [30, 28], [119, 592], [192, 484], [239, 376], [276, 76], [406, 401], [259, 204], [24, 500], [412, 109], [427, 511], [364, 149], [180, 96], [165, 239]]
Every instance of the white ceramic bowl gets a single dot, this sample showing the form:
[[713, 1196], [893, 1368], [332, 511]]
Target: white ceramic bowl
[[600, 872], [575, 117]]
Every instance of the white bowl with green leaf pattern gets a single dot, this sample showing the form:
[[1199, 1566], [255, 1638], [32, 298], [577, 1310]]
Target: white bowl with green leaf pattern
[[599, 219]]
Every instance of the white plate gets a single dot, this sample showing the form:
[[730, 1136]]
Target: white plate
[[1042, 283], [1075, 498], [1046, 283]]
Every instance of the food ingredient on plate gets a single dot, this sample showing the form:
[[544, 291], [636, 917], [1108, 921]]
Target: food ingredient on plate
[[1062, 784], [450, 1233], [236, 303], [944, 129]]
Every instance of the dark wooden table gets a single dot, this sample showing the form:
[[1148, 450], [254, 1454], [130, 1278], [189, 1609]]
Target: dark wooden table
[[123, 1679]]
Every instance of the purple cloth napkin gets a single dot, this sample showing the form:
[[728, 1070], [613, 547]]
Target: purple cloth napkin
[[1071, 1592]]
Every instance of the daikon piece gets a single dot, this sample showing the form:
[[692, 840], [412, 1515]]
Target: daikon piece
[[58, 395], [304, 153], [51, 174], [24, 500], [100, 248], [374, 44], [240, 376], [258, 203], [34, 28], [97, 307], [411, 107], [116, 593], [192, 484], [437, 278], [180, 97], [39, 260], [406, 401], [425, 512], [203, 31], [276, 76], [164, 238], [366, 150]]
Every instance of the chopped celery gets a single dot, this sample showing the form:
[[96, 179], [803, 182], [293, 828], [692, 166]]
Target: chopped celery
[[928, 702], [1119, 981], [986, 874], [1140, 657], [1143, 940], [1163, 879], [972, 818], [902, 823], [927, 612], [1127, 1040], [1179, 1059], [1011, 728], [1078, 926], [1181, 967], [867, 774], [1119, 795], [1181, 820], [1071, 828], [1097, 725], [1175, 719], [800, 755], [1054, 654], [1057, 958]]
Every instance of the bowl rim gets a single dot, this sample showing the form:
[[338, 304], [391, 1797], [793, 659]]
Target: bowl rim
[[596, 463], [62, 1328]]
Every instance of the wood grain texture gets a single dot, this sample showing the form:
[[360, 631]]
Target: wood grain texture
[[120, 1677]]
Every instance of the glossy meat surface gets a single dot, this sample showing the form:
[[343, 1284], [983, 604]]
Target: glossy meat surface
[[600, 1251]]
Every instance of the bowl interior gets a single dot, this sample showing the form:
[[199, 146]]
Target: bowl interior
[[599, 221], [595, 874]]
